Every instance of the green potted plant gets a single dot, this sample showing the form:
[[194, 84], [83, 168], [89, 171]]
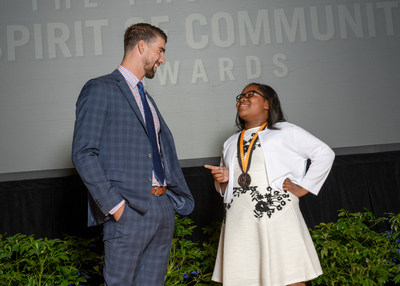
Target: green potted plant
[[353, 253]]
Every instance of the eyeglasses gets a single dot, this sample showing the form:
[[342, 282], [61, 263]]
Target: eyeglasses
[[248, 94]]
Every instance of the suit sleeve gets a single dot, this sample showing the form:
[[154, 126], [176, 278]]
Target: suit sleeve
[[91, 113]]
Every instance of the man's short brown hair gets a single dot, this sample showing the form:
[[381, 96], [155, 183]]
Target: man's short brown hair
[[141, 31]]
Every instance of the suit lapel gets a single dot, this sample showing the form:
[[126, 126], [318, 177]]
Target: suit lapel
[[126, 91]]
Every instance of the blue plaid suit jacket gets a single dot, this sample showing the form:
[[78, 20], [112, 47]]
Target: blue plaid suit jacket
[[111, 150]]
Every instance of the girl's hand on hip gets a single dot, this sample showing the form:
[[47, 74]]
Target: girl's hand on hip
[[295, 189]]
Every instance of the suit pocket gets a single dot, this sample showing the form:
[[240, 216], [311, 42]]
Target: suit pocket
[[115, 229]]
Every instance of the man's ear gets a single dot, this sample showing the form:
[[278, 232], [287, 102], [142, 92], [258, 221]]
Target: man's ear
[[141, 46]]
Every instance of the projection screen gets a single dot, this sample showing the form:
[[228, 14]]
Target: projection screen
[[334, 64]]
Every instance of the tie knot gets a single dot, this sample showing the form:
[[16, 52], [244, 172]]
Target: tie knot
[[140, 87]]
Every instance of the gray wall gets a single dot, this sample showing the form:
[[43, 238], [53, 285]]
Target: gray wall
[[334, 65]]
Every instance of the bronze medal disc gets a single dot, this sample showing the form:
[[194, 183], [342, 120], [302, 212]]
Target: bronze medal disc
[[244, 180]]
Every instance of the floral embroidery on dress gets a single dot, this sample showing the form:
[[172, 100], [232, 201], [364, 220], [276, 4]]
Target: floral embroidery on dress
[[266, 203], [246, 143]]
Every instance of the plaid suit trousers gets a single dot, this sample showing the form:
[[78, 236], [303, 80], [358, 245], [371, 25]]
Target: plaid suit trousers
[[137, 246]]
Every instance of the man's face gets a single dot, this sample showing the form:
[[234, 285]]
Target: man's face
[[154, 56]]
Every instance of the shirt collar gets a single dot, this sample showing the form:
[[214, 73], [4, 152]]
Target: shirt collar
[[129, 76]]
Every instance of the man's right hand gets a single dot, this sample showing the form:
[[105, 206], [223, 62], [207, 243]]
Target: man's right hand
[[118, 213]]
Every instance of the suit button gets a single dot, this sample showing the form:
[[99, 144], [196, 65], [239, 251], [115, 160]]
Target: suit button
[[149, 179], [149, 156]]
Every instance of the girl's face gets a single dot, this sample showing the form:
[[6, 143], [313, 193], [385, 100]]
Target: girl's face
[[252, 107]]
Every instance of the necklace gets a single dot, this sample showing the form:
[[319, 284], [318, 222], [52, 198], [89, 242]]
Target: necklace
[[244, 179]]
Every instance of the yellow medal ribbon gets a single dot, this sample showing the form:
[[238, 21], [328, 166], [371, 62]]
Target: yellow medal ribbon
[[245, 160]]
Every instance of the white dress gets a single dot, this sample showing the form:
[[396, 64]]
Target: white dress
[[264, 239]]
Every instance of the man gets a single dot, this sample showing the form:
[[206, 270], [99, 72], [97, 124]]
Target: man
[[125, 155]]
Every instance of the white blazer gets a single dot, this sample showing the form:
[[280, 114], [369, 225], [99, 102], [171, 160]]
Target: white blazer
[[286, 151]]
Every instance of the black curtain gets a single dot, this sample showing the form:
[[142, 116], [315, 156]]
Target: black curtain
[[57, 206], [357, 183]]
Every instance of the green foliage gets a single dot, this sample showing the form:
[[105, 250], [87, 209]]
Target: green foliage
[[189, 263], [352, 253], [25, 260], [350, 250]]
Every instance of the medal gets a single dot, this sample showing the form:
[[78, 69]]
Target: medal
[[244, 179]]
